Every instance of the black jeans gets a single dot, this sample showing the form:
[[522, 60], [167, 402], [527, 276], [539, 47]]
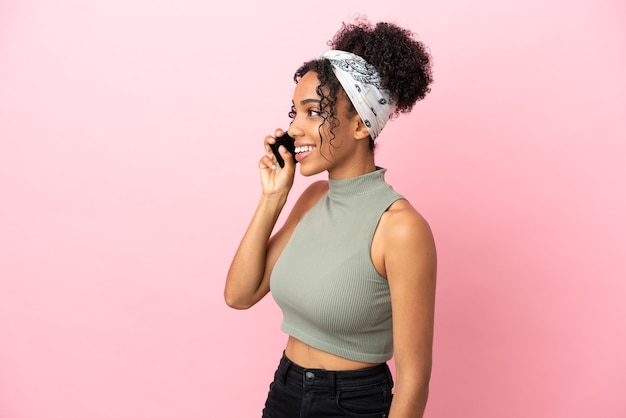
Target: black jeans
[[297, 392]]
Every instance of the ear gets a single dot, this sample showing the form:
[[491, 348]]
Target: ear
[[361, 131]]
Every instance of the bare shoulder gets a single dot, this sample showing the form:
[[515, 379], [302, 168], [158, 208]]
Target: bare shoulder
[[402, 223], [403, 241], [408, 248], [310, 196], [305, 201], [316, 189]]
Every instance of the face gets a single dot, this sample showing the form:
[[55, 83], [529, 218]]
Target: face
[[317, 154]]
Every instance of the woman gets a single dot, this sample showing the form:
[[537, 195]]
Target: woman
[[352, 254]]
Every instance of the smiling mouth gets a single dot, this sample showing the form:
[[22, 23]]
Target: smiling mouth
[[304, 148], [303, 151]]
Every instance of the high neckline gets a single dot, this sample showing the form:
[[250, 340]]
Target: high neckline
[[357, 185]]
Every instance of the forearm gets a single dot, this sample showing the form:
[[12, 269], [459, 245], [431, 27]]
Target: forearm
[[245, 276], [409, 400]]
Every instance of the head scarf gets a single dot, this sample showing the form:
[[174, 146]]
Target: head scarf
[[362, 84]]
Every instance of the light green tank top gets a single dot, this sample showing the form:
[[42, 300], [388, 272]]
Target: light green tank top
[[324, 281]]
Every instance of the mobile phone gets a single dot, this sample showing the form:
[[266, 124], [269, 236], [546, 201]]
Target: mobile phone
[[289, 143]]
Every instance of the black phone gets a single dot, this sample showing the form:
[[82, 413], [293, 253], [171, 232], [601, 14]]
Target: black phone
[[289, 143]]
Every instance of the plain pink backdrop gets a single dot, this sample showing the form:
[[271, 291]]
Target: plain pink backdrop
[[129, 137]]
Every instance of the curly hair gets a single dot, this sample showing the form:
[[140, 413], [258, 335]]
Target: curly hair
[[404, 65]]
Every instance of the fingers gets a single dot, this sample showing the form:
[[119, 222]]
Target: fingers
[[279, 132], [269, 140], [268, 161], [276, 179], [270, 146], [287, 157]]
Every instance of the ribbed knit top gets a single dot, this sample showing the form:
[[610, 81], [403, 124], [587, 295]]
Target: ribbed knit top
[[324, 281]]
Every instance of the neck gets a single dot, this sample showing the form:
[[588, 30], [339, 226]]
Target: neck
[[361, 163]]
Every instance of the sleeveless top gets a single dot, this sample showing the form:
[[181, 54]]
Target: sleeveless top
[[325, 283]]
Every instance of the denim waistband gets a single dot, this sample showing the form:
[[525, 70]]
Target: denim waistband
[[288, 371]]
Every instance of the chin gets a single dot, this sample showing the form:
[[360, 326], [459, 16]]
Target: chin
[[310, 171]]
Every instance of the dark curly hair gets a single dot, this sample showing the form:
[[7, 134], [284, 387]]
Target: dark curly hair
[[404, 65]]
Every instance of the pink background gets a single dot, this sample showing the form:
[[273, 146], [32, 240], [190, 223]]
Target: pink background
[[129, 136]]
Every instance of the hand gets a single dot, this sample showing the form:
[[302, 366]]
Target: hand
[[274, 179]]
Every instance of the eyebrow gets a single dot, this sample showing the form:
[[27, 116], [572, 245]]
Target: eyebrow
[[306, 101]]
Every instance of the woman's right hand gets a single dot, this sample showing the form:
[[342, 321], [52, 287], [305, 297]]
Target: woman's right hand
[[274, 179]]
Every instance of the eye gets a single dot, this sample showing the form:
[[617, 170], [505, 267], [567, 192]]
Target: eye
[[314, 112]]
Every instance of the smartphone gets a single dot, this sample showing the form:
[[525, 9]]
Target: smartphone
[[287, 142]]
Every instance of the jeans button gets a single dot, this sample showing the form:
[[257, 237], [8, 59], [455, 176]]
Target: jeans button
[[309, 375]]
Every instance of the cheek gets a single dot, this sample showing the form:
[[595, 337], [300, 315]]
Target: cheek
[[336, 139]]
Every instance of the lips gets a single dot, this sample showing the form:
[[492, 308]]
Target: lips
[[303, 151], [303, 148]]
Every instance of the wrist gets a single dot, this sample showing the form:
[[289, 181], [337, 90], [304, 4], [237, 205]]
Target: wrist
[[273, 200]]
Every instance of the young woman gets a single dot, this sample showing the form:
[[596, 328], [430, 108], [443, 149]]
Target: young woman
[[353, 267]]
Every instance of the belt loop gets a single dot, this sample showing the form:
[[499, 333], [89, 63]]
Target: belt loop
[[332, 387], [285, 370]]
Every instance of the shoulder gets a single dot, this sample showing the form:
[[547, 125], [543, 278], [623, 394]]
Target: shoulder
[[402, 226], [313, 193], [317, 188], [403, 246], [310, 196]]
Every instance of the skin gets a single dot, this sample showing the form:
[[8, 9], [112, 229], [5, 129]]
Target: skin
[[403, 249]]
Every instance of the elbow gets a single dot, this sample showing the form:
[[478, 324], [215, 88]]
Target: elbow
[[240, 294], [236, 302], [416, 383]]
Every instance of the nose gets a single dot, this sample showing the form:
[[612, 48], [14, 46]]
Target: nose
[[294, 129]]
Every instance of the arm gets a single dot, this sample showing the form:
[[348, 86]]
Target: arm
[[248, 278], [410, 267]]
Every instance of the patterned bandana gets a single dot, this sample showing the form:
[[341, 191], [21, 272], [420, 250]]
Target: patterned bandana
[[361, 82]]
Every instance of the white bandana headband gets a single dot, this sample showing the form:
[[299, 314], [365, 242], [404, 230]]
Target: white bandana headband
[[362, 84]]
